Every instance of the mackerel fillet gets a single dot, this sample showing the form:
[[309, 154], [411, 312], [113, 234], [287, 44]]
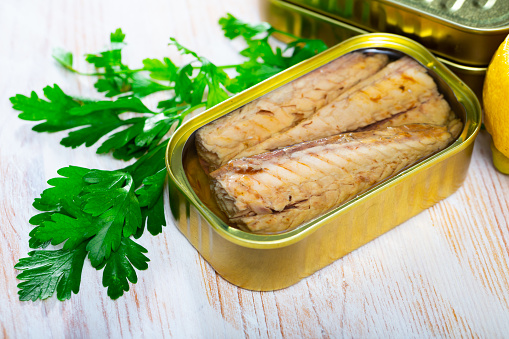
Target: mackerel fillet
[[221, 140], [401, 86], [435, 111], [277, 191]]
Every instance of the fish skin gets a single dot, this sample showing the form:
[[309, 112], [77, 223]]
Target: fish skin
[[277, 191], [221, 140], [399, 87]]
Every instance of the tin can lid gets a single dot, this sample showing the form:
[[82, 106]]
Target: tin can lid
[[471, 13]]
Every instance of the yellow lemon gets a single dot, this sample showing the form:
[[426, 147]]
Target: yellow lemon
[[496, 105]]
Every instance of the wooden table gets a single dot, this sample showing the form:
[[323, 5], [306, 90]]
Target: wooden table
[[444, 273]]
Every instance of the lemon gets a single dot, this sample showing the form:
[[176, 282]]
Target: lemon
[[500, 161], [496, 105]]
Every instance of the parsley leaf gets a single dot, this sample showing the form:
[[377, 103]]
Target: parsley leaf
[[52, 200], [304, 49], [161, 70], [149, 174], [150, 196], [55, 111], [263, 60], [209, 77], [73, 227], [120, 267], [110, 196], [97, 119], [93, 212], [58, 117], [119, 105], [234, 27], [64, 58], [64, 188], [117, 36], [44, 271], [142, 86], [116, 78]]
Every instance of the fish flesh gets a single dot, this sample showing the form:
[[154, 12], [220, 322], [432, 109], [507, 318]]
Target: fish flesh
[[278, 191], [399, 87], [435, 111], [221, 140]]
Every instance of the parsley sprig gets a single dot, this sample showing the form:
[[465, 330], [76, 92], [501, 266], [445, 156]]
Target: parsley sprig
[[96, 213]]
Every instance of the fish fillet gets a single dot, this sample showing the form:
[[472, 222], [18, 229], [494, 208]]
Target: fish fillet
[[221, 140], [435, 111], [279, 190], [399, 87]]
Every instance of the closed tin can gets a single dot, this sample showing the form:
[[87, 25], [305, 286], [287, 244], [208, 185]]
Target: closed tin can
[[467, 32], [465, 50], [270, 262]]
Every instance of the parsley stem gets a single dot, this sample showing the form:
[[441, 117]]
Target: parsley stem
[[127, 71], [130, 71], [132, 121], [184, 110], [288, 34], [228, 66], [195, 107], [220, 67]]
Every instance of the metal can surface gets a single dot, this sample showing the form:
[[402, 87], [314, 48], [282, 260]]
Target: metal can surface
[[313, 21], [466, 32], [269, 262]]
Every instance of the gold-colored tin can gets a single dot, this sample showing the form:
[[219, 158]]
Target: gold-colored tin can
[[313, 24], [270, 262]]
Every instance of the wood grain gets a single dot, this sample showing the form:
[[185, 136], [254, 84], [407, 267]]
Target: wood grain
[[444, 273]]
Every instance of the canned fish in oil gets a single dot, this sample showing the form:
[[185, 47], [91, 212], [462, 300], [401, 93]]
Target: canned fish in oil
[[270, 262]]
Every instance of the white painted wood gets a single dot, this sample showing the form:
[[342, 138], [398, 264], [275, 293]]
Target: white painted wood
[[443, 273]]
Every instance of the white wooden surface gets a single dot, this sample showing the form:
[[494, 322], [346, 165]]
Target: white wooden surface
[[444, 273]]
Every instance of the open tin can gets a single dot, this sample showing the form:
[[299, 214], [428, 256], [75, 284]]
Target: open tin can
[[270, 262], [463, 34]]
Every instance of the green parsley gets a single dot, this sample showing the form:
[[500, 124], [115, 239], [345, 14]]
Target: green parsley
[[95, 213]]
